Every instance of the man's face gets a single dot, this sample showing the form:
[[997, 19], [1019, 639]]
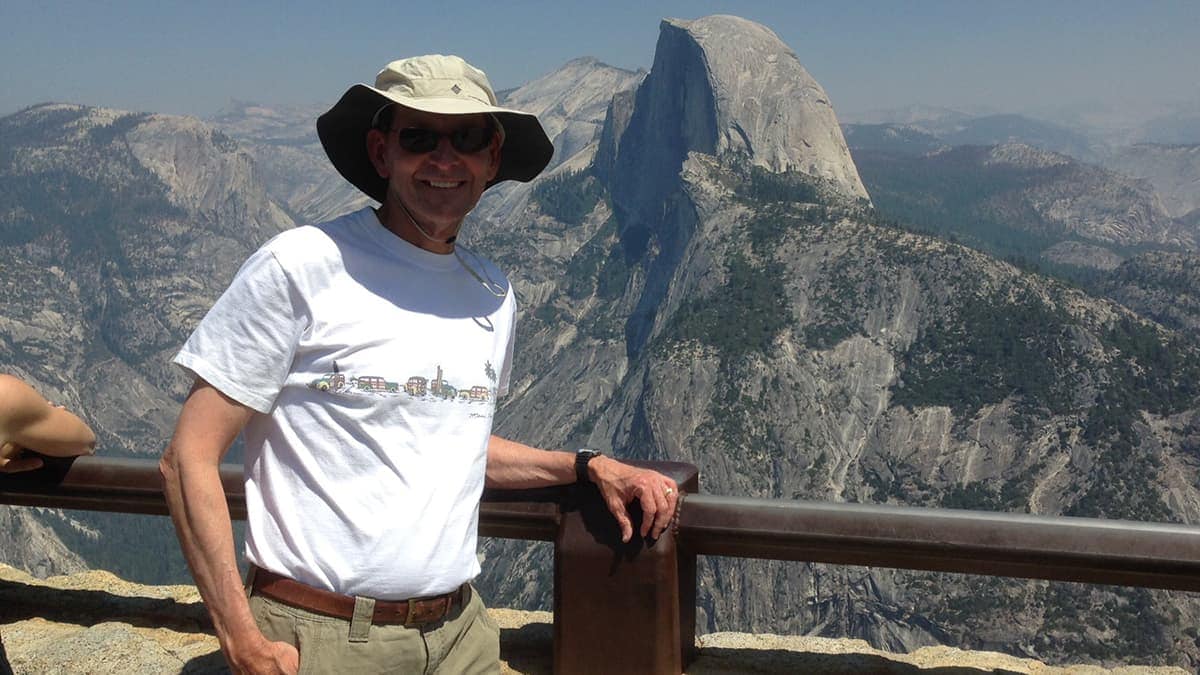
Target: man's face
[[439, 188]]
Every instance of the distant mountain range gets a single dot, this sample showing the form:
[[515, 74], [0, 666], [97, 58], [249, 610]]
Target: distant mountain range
[[1014, 200], [1101, 125], [711, 272], [1169, 162]]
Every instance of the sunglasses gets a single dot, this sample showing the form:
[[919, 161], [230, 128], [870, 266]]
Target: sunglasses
[[467, 140]]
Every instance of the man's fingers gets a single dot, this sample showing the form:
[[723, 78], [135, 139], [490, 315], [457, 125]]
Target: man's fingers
[[656, 518], [617, 508], [662, 520], [649, 508], [289, 657]]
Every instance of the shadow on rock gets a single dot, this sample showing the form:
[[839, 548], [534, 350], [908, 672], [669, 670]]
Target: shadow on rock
[[209, 664], [19, 601], [528, 649], [5, 666]]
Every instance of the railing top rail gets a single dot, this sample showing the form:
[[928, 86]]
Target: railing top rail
[[1159, 555]]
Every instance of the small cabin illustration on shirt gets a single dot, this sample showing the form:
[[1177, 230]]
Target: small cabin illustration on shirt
[[437, 388]]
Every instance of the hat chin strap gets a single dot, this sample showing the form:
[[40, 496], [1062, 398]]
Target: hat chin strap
[[497, 289], [420, 229]]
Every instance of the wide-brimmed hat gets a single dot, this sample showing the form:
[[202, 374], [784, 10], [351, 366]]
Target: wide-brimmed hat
[[440, 84]]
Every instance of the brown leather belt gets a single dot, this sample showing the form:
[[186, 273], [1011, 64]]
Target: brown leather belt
[[411, 612]]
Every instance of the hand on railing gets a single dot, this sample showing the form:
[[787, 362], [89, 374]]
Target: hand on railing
[[620, 484]]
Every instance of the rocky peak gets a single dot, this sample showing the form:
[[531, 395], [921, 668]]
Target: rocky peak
[[189, 163], [249, 120], [571, 102], [722, 85], [1173, 170], [1024, 156]]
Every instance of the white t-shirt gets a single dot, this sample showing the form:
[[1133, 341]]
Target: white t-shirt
[[376, 366]]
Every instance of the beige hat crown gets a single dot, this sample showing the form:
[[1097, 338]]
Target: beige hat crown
[[433, 77]]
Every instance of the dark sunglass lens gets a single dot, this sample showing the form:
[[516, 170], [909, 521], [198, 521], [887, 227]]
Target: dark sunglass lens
[[471, 139], [418, 140]]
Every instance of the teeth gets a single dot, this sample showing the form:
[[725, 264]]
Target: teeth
[[442, 184]]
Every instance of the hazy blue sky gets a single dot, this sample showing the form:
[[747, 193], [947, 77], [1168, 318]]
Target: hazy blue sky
[[192, 57]]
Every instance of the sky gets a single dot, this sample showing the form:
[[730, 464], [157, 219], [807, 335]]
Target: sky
[[195, 57]]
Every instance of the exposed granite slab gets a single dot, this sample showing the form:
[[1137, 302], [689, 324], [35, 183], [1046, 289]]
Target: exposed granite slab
[[97, 623]]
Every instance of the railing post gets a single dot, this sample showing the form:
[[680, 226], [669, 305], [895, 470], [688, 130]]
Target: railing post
[[622, 608]]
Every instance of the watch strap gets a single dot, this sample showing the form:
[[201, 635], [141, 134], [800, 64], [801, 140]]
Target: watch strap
[[582, 457]]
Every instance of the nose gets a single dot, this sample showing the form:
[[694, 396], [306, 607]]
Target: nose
[[444, 153]]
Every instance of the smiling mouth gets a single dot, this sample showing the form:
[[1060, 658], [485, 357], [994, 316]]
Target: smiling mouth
[[443, 185]]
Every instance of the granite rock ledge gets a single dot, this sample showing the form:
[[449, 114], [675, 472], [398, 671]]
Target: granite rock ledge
[[95, 622]]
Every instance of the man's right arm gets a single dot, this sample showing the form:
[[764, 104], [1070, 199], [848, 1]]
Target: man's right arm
[[208, 424]]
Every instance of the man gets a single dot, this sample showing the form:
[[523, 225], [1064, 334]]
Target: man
[[363, 358]]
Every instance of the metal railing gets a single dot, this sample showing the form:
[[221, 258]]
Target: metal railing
[[602, 608], [1119, 552]]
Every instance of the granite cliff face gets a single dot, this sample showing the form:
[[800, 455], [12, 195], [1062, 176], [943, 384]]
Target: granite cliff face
[[802, 351], [118, 231], [571, 103], [282, 140], [771, 328], [725, 86]]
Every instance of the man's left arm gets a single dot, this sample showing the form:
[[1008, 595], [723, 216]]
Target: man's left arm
[[515, 466]]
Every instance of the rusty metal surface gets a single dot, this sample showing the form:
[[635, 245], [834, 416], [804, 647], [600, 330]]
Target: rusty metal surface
[[1156, 555], [125, 485], [621, 607], [106, 484]]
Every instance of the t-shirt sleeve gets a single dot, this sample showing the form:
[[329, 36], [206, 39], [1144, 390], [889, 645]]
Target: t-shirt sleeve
[[245, 344], [506, 366]]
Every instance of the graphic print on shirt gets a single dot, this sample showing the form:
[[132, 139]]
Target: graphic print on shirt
[[437, 388]]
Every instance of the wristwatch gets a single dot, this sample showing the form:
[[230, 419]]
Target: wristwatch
[[582, 457]]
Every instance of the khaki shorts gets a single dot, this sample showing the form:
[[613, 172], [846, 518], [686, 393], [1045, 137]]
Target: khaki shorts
[[466, 641]]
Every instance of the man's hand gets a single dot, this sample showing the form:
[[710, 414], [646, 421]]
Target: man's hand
[[12, 459], [267, 658], [515, 466], [621, 484]]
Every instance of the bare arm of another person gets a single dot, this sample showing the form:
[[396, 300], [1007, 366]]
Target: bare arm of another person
[[29, 422], [513, 465], [208, 424]]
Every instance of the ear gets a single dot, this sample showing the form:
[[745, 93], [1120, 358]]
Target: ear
[[377, 152]]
